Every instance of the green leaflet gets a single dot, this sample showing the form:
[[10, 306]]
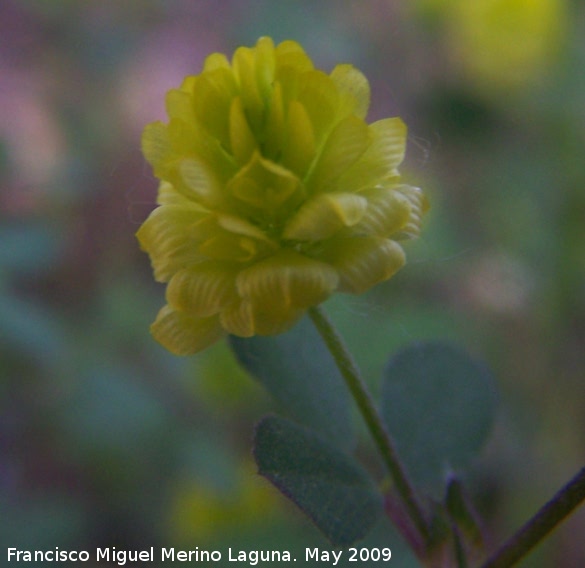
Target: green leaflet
[[328, 485], [439, 405], [298, 371]]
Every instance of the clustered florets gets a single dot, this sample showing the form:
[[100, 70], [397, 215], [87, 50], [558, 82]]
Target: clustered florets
[[274, 194]]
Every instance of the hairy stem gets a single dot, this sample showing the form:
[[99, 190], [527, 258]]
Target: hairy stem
[[536, 529], [377, 429]]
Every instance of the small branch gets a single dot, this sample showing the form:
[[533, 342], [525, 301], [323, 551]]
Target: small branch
[[536, 529], [377, 429]]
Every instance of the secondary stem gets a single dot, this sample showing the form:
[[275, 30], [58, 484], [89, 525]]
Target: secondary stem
[[534, 531], [364, 401]]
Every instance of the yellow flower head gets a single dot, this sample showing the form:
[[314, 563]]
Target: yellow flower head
[[274, 194]]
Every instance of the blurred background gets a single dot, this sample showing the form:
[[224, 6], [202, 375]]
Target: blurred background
[[106, 439]]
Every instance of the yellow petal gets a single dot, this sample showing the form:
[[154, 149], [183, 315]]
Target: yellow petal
[[199, 181], [263, 184], [418, 207], [244, 66], [212, 96], [346, 143], [225, 246], [246, 318], [274, 134], [203, 289], [388, 211], [242, 140], [180, 104], [290, 54], [318, 94], [188, 83], [226, 237], [167, 236], [363, 262], [286, 280], [300, 144], [382, 158], [216, 61], [389, 145], [270, 321], [240, 226], [354, 88], [183, 334], [195, 164], [190, 140], [324, 215], [238, 319], [168, 195], [265, 66], [289, 79], [156, 145]]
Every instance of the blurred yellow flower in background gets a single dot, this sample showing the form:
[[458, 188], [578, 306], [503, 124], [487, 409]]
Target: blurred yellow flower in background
[[505, 44], [274, 194], [200, 512]]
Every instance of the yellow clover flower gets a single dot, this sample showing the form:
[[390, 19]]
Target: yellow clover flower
[[274, 194]]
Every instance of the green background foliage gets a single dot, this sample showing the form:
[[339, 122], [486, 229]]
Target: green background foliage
[[106, 439]]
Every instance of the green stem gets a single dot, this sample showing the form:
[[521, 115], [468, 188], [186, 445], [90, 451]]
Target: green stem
[[536, 529], [364, 401]]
